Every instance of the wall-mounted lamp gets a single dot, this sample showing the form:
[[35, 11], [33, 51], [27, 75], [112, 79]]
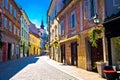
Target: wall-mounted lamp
[[58, 20], [96, 19]]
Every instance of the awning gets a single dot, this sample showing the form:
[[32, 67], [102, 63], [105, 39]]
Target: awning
[[112, 28], [69, 39]]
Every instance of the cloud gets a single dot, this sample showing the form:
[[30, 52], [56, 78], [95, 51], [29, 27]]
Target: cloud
[[36, 22]]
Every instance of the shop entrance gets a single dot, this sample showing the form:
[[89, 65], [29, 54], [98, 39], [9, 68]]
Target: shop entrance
[[74, 53]]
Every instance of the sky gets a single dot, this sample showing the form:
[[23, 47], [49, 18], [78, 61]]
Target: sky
[[36, 10]]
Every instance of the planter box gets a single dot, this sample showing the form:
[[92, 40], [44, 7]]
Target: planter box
[[100, 68]]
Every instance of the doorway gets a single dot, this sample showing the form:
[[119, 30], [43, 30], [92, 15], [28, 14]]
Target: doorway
[[63, 53], [96, 54], [9, 51], [74, 53]]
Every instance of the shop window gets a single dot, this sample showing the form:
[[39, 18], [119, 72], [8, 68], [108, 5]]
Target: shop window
[[116, 2], [115, 49]]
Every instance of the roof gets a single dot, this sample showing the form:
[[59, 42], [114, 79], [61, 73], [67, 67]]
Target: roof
[[65, 7], [36, 35], [50, 7], [25, 16]]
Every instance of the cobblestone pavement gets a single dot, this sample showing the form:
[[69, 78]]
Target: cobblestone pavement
[[31, 68]]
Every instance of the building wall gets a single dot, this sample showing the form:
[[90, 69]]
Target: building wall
[[24, 35], [88, 26], [10, 31], [54, 9], [34, 43], [84, 23], [69, 33], [112, 7]]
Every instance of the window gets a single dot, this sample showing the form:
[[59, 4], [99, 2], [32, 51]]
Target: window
[[21, 31], [115, 51], [52, 34], [73, 20], [5, 22], [10, 26], [62, 28], [15, 13], [6, 4], [14, 29], [55, 31], [10, 9], [18, 31], [116, 2], [92, 8]]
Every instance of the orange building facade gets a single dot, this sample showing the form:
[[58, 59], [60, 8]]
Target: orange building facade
[[10, 29], [76, 20]]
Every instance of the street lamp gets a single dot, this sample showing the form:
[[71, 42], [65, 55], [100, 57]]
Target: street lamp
[[96, 19], [58, 20]]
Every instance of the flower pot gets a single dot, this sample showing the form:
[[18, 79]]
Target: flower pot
[[100, 68]]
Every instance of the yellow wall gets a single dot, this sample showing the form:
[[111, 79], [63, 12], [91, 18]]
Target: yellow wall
[[34, 43], [52, 28]]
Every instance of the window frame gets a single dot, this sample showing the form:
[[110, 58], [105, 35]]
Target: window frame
[[93, 7], [62, 28], [71, 18], [114, 4], [11, 8], [14, 30], [15, 13], [6, 3], [10, 26], [5, 22]]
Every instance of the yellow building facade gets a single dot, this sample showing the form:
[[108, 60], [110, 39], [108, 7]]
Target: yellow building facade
[[54, 37], [34, 44]]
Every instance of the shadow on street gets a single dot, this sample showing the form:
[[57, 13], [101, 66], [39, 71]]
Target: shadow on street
[[10, 68]]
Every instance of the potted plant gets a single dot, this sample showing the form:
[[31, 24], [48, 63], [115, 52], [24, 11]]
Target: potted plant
[[100, 67]]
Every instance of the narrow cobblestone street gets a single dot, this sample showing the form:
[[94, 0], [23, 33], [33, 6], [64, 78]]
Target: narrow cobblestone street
[[31, 68]]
